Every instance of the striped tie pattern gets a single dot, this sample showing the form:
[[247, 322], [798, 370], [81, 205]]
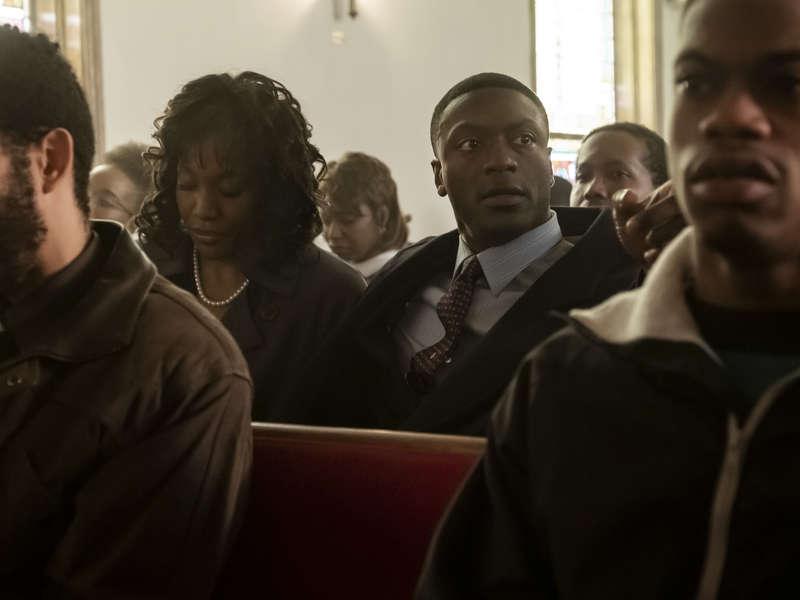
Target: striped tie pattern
[[452, 309]]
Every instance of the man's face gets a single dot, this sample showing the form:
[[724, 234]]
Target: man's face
[[735, 135], [21, 228], [610, 161], [494, 165]]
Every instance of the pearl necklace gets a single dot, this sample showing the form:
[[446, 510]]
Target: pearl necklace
[[202, 295]]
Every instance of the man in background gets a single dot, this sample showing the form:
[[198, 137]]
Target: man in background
[[615, 157], [440, 329], [125, 442]]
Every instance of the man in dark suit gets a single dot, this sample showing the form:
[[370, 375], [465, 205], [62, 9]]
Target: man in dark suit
[[440, 330]]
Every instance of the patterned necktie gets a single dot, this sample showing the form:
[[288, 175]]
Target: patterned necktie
[[452, 309]]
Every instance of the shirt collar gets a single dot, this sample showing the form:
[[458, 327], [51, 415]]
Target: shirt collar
[[369, 267], [502, 264]]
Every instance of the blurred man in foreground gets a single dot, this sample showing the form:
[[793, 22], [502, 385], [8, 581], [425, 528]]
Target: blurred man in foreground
[[125, 441], [649, 449]]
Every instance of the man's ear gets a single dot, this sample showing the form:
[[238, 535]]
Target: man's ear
[[437, 177], [55, 160]]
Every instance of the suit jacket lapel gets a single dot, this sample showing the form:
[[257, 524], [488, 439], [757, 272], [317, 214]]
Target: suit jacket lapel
[[574, 281], [381, 310]]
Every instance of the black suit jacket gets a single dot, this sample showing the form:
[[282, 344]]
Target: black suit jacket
[[357, 380]]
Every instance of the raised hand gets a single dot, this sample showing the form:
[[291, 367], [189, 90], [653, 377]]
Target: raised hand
[[646, 225]]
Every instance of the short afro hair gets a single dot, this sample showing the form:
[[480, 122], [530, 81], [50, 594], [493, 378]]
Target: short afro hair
[[479, 82], [42, 93], [656, 159]]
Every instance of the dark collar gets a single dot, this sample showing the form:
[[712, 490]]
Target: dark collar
[[281, 280], [56, 292], [91, 308]]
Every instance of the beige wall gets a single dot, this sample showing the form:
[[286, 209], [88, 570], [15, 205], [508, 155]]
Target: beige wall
[[670, 16], [373, 93]]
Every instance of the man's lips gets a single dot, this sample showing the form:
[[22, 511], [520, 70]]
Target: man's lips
[[733, 179], [504, 196], [734, 167]]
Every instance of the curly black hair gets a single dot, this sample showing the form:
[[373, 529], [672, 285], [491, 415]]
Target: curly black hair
[[256, 124], [41, 93]]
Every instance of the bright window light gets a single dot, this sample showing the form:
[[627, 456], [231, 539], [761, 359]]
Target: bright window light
[[575, 63]]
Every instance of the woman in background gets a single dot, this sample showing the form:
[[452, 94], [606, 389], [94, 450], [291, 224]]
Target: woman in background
[[232, 219], [363, 222], [119, 184]]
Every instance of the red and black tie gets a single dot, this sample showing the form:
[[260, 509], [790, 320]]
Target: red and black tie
[[452, 309]]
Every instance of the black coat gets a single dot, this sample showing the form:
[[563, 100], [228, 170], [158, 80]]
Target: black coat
[[622, 463], [282, 318], [357, 381]]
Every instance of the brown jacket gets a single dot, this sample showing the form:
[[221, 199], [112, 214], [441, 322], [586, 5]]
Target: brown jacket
[[125, 444]]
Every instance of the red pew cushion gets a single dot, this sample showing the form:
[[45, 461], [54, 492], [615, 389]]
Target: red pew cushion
[[343, 513]]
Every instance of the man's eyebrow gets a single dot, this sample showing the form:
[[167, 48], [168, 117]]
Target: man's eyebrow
[[482, 127], [780, 58], [525, 121], [614, 162], [692, 55], [773, 59], [466, 125]]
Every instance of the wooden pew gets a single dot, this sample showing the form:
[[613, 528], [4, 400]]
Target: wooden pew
[[342, 513]]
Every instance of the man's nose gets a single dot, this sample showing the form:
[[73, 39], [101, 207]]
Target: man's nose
[[500, 157], [737, 113], [596, 190]]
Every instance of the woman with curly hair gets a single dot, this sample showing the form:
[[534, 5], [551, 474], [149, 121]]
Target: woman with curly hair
[[232, 220], [361, 215]]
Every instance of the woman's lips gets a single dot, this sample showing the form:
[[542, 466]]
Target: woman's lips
[[207, 237]]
